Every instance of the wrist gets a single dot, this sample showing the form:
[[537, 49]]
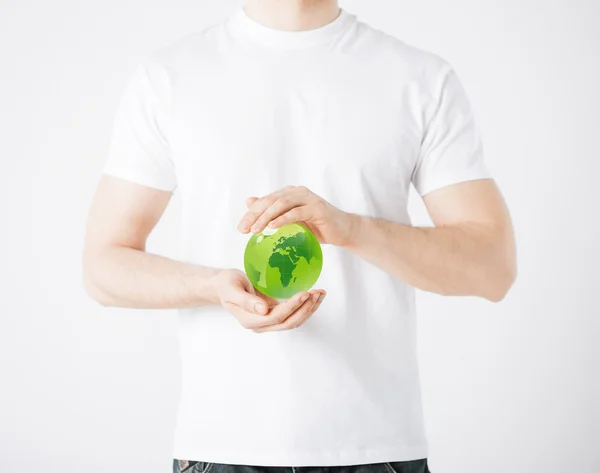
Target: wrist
[[355, 224], [212, 294]]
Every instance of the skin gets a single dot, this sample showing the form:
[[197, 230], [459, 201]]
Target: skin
[[292, 15], [470, 251], [117, 270]]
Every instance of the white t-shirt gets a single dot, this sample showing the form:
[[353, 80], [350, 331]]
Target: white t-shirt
[[240, 110]]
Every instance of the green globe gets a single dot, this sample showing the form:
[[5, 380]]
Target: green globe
[[284, 261]]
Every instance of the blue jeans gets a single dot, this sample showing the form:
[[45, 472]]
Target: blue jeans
[[414, 466]]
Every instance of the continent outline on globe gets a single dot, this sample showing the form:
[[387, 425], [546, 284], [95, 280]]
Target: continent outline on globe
[[285, 262]]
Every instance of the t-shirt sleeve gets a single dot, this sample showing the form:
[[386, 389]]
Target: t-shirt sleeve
[[139, 149], [451, 150]]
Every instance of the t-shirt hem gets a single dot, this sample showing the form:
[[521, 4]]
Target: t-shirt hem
[[138, 178], [449, 181], [357, 456]]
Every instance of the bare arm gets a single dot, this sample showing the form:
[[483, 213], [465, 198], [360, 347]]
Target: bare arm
[[117, 269], [119, 272], [470, 251]]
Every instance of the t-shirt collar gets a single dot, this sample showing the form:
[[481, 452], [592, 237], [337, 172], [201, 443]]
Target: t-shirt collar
[[240, 23]]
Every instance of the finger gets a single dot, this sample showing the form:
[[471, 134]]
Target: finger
[[246, 319], [302, 312], [284, 309], [282, 205], [297, 214], [271, 302], [300, 316], [315, 308], [250, 201], [256, 210], [297, 318], [251, 320], [317, 297], [250, 302]]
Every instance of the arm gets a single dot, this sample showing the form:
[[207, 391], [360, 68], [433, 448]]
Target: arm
[[116, 268], [117, 271], [470, 251], [131, 198]]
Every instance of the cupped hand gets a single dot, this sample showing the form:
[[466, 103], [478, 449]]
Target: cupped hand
[[298, 204], [261, 313]]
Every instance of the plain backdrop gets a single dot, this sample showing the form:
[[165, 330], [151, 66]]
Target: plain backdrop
[[508, 387]]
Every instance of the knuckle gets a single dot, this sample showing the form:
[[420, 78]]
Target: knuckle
[[320, 204]]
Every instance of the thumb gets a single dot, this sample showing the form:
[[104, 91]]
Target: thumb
[[243, 296]]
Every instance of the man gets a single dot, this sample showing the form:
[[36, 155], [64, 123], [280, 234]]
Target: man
[[292, 111]]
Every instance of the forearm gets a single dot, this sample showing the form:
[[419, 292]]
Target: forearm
[[465, 259], [126, 277]]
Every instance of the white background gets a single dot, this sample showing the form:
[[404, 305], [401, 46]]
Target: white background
[[511, 387]]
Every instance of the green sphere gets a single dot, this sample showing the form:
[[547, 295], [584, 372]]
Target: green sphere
[[284, 261]]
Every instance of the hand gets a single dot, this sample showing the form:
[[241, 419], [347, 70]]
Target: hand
[[261, 313], [298, 204]]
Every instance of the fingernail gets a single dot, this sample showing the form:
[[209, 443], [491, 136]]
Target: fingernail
[[258, 307]]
